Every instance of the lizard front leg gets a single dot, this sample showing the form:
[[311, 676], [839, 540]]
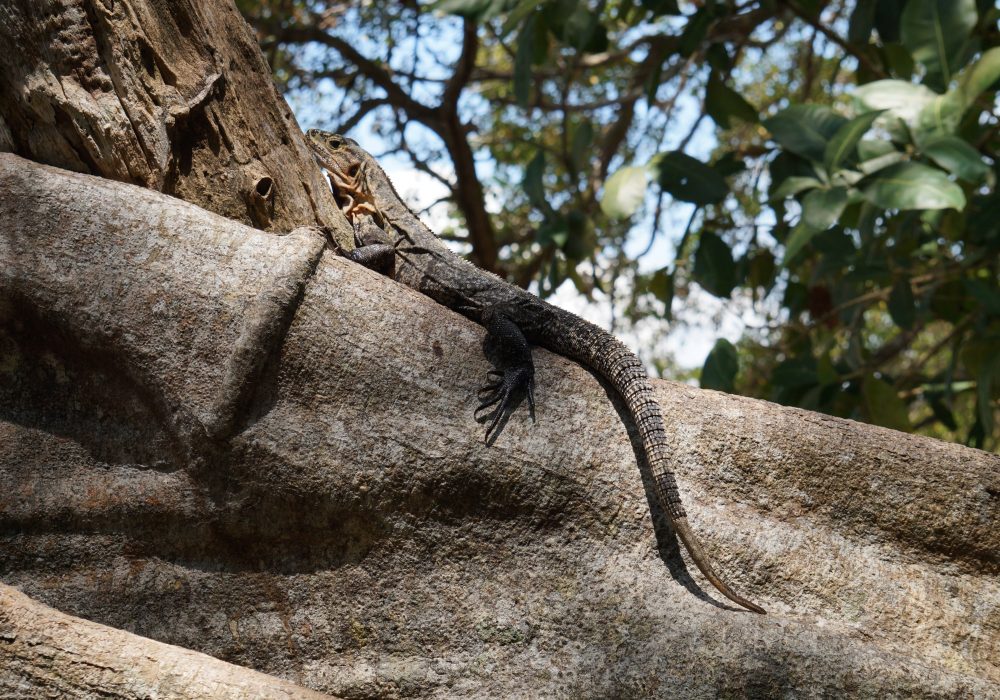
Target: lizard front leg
[[372, 247], [517, 374], [379, 257]]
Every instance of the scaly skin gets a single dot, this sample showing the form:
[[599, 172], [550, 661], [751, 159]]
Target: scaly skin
[[424, 263]]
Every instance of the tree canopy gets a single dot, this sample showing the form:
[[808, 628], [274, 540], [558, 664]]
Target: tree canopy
[[833, 165]]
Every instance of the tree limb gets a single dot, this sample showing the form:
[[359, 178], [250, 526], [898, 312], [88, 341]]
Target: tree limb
[[347, 527], [47, 653]]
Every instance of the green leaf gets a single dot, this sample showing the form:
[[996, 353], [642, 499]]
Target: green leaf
[[873, 148], [798, 239], [552, 232], [714, 268], [721, 366], [796, 372], [517, 15], [981, 358], [805, 129], [695, 30], [898, 60], [835, 244], [523, 60], [980, 75], [795, 299], [661, 7], [846, 139], [583, 136], [825, 370], [902, 307], [729, 164], [887, 14], [907, 186], [937, 34], [762, 269], [688, 179], [533, 186], [942, 113], [581, 239], [877, 154], [822, 208], [848, 178], [791, 186], [956, 156], [581, 28], [859, 29], [624, 192], [479, 10], [661, 285], [786, 165], [986, 294], [880, 162], [902, 99], [941, 116], [719, 59], [722, 102], [883, 405], [941, 412]]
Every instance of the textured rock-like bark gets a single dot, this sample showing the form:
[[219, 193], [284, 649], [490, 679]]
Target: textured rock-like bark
[[49, 654], [206, 440], [171, 95]]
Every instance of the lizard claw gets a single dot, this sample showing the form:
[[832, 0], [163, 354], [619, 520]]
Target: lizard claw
[[504, 387], [492, 387]]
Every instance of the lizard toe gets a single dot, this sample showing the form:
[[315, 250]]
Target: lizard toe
[[511, 383]]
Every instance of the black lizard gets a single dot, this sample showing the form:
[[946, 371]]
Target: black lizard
[[392, 238]]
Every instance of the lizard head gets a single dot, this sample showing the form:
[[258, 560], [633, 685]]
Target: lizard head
[[348, 165]]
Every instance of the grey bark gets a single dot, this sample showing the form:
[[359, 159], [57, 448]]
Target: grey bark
[[236, 443], [49, 654], [174, 96]]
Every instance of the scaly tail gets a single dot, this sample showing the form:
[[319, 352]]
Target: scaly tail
[[683, 531], [625, 371]]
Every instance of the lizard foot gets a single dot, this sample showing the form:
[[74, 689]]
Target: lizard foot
[[501, 389], [379, 257]]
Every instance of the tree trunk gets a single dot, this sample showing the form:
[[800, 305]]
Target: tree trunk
[[207, 441], [237, 443], [174, 96]]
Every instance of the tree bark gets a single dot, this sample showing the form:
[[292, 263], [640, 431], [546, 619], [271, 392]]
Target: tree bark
[[236, 443], [47, 653], [174, 96]]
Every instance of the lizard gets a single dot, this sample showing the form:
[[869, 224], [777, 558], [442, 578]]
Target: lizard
[[391, 238]]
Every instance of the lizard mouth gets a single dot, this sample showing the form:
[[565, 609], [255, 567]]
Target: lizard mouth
[[343, 202], [343, 195]]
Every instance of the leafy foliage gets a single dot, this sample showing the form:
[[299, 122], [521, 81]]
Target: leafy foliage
[[847, 196]]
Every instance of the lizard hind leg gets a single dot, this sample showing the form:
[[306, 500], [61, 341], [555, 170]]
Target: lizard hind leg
[[515, 378]]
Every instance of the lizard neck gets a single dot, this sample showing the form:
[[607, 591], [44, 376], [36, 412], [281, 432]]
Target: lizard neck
[[386, 198]]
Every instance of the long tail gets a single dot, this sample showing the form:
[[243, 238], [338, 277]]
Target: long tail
[[624, 370], [566, 334], [683, 531]]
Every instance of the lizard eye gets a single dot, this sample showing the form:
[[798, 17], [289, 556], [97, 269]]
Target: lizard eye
[[334, 143]]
